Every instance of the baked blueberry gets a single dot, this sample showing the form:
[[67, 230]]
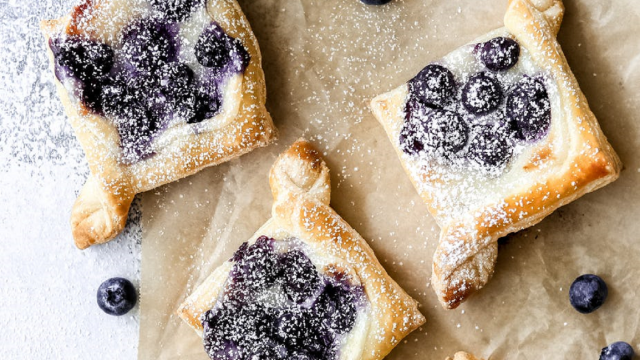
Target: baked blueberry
[[587, 293], [441, 132], [339, 308], [500, 53], [176, 10], [529, 109], [490, 146], [148, 43], [617, 351], [117, 296], [292, 327], [258, 269], [299, 277], [213, 48], [375, 2], [481, 94], [83, 59], [434, 86]]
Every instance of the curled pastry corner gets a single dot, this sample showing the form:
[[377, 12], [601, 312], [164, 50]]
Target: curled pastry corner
[[300, 170], [97, 215], [461, 355]]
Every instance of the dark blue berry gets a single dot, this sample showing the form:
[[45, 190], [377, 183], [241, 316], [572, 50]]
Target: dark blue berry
[[339, 308], [500, 53], [85, 60], [481, 94], [490, 146], [375, 2], [176, 10], [300, 279], [213, 48], [439, 132], [617, 351], [529, 109], [587, 293], [258, 269], [148, 43], [117, 296], [434, 86], [292, 327]]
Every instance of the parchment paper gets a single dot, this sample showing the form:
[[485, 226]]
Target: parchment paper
[[324, 61]]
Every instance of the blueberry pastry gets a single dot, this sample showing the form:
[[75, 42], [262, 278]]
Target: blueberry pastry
[[495, 136], [305, 286], [155, 90]]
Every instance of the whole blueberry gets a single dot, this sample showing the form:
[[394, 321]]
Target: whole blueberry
[[500, 53], [617, 351], [587, 293], [213, 48], [481, 94], [147, 44], [375, 2], [529, 109], [176, 10], [339, 308], [434, 86], [300, 279], [80, 58], [117, 296], [258, 269], [490, 146], [440, 132]]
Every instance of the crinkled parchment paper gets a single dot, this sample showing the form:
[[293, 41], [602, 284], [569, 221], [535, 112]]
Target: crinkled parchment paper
[[324, 61]]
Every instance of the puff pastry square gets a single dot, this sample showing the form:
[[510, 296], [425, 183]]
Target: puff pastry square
[[155, 91], [378, 312], [504, 137]]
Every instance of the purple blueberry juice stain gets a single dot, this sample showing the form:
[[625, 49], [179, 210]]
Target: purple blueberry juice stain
[[477, 122], [277, 306], [143, 87]]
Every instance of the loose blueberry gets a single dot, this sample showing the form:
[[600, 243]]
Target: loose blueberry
[[490, 146], [529, 109], [499, 54], [617, 351], [375, 2], [147, 44], [299, 276], [176, 10], [82, 59], [587, 293], [434, 85], [481, 94], [117, 296]]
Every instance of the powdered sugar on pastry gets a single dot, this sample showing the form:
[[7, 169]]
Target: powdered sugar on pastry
[[155, 91], [332, 264], [495, 136]]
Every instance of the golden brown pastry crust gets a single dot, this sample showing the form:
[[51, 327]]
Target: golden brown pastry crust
[[465, 258], [461, 355], [100, 211], [299, 181]]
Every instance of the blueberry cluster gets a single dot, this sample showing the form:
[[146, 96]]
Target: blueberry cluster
[[144, 86], [442, 116], [277, 306]]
